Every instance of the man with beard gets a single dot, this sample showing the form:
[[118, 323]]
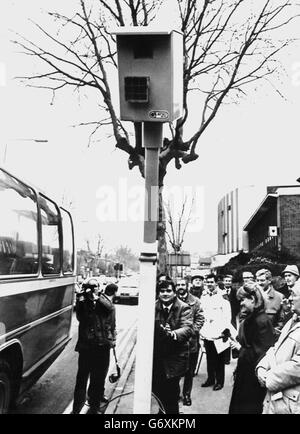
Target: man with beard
[[173, 329], [198, 320]]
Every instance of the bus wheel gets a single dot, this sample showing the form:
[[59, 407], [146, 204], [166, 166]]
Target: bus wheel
[[5, 387]]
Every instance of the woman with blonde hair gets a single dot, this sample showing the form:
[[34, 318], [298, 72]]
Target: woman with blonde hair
[[255, 336]]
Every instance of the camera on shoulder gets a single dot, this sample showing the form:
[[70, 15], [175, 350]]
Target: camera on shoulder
[[89, 289]]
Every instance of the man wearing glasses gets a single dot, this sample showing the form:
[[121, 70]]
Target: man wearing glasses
[[173, 329]]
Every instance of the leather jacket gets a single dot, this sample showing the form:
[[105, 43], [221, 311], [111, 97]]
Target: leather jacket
[[97, 322]]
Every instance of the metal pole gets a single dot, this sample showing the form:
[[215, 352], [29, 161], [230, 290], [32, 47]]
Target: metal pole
[[145, 332]]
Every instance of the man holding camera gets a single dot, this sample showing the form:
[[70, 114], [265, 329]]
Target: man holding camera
[[96, 336]]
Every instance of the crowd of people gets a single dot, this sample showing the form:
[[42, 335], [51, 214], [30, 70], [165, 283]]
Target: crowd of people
[[253, 322]]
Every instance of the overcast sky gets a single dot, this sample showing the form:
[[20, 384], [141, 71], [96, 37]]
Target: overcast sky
[[255, 142]]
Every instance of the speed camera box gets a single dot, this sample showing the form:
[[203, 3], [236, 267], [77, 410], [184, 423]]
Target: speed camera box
[[150, 64]]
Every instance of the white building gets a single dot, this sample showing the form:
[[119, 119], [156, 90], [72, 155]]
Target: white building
[[234, 210]]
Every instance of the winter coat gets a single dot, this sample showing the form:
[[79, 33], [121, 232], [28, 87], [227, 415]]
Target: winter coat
[[198, 321], [287, 313], [256, 336], [282, 363], [169, 354], [284, 290], [217, 314], [273, 307], [97, 322], [234, 303]]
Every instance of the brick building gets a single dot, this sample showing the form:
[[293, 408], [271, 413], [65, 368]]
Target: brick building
[[276, 222]]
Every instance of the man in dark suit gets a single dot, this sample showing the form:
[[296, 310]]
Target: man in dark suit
[[290, 275], [173, 329], [198, 320], [230, 295]]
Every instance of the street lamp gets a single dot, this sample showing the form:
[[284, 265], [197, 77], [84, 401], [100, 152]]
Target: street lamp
[[32, 140], [20, 140]]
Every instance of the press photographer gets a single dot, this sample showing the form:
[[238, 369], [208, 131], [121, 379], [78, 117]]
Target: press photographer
[[95, 312]]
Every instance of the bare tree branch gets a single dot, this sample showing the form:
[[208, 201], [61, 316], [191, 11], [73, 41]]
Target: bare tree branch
[[177, 224], [228, 46]]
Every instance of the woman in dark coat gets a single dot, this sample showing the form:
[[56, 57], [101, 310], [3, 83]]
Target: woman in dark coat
[[256, 335]]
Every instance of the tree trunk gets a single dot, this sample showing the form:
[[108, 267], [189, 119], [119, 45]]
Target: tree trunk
[[161, 236]]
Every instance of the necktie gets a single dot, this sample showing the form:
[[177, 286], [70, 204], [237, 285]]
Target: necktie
[[166, 312]]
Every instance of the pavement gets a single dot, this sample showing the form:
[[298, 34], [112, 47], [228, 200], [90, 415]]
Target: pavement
[[204, 400]]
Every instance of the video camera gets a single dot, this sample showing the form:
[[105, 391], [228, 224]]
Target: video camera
[[89, 289]]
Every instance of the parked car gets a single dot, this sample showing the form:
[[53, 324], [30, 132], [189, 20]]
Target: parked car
[[77, 288], [128, 291]]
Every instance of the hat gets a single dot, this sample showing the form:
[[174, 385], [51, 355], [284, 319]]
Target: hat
[[293, 269], [197, 276], [111, 289]]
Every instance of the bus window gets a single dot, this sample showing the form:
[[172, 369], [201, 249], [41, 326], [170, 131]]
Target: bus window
[[50, 237], [35, 312], [68, 248], [18, 228]]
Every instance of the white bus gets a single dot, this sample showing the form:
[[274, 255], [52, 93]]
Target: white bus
[[37, 277]]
